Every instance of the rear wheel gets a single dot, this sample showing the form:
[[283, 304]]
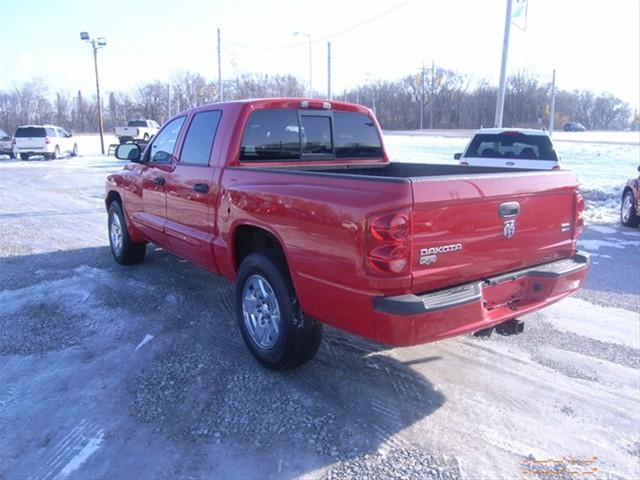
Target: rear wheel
[[124, 250], [74, 152], [273, 326], [24, 156], [628, 214], [146, 137], [56, 153]]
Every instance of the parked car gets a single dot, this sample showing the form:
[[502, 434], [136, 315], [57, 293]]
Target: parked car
[[47, 140], [573, 127], [630, 205], [137, 130], [296, 202], [510, 148], [6, 144]]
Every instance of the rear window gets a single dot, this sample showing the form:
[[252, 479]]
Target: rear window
[[292, 134], [137, 123], [271, 135], [22, 132], [512, 145]]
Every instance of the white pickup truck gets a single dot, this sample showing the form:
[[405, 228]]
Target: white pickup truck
[[137, 130], [510, 148]]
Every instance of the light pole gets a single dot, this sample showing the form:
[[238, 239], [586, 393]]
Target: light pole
[[310, 64], [97, 43]]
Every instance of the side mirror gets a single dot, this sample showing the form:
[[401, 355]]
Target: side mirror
[[129, 152], [638, 168], [457, 156]]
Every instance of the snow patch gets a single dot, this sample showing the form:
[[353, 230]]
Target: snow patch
[[147, 338], [611, 325], [76, 462]]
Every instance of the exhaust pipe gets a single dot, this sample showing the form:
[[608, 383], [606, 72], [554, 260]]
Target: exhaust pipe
[[511, 327]]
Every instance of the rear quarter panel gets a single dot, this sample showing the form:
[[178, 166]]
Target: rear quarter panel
[[320, 222]]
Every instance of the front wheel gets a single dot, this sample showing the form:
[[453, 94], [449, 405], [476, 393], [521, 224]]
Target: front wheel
[[628, 214], [274, 328], [124, 250]]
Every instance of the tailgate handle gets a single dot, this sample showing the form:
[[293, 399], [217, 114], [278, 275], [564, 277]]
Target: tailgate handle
[[509, 209]]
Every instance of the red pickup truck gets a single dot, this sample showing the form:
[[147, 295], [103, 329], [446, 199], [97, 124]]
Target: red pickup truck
[[295, 200]]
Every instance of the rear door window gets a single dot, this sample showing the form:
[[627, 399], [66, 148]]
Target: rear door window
[[512, 145], [196, 149], [26, 132]]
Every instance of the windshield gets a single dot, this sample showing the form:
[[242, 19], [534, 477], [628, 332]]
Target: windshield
[[22, 132], [514, 145]]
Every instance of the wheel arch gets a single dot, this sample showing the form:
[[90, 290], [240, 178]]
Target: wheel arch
[[249, 238]]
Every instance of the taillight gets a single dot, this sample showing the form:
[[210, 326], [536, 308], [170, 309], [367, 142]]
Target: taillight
[[579, 220], [13, 141], [47, 140], [555, 167], [389, 243]]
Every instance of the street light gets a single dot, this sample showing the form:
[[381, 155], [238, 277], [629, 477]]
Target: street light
[[310, 68], [97, 43]]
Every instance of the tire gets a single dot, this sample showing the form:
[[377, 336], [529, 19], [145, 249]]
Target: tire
[[146, 137], [628, 214], [74, 152], [24, 156], [123, 249], [263, 285], [55, 155]]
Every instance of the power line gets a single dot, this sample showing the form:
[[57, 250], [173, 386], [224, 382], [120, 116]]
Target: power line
[[324, 37]]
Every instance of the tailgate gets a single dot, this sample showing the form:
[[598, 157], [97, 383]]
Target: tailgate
[[474, 227], [31, 142]]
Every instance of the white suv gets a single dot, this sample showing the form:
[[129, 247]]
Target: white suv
[[47, 140], [511, 148]]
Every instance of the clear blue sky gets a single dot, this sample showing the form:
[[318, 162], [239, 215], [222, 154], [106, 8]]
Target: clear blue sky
[[594, 44]]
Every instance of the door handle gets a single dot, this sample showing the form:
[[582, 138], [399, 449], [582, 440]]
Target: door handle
[[509, 209], [201, 187], [159, 181]]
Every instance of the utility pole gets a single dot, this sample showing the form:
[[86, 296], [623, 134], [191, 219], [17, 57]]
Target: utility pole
[[100, 122], [503, 66], [431, 94], [421, 79], [329, 70], [552, 110], [220, 93], [168, 102], [97, 43]]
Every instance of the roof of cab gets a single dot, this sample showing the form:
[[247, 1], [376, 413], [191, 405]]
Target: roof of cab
[[525, 131]]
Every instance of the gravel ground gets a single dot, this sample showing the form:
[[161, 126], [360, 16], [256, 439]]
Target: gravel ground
[[140, 372]]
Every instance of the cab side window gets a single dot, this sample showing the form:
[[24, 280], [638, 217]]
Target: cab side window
[[199, 140], [165, 142]]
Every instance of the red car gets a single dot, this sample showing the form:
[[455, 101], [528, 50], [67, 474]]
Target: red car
[[295, 201], [630, 208]]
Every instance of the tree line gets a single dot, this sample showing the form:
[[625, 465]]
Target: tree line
[[449, 100]]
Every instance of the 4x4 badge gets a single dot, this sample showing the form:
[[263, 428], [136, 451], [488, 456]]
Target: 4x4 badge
[[509, 228]]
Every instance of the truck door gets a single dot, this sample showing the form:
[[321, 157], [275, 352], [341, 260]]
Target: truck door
[[192, 189], [150, 211]]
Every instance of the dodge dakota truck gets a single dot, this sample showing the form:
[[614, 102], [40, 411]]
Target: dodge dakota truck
[[296, 201]]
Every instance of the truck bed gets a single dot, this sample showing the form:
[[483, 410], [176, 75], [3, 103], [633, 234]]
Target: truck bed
[[398, 171]]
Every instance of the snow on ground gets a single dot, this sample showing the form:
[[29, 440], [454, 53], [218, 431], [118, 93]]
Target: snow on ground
[[603, 161], [113, 372]]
